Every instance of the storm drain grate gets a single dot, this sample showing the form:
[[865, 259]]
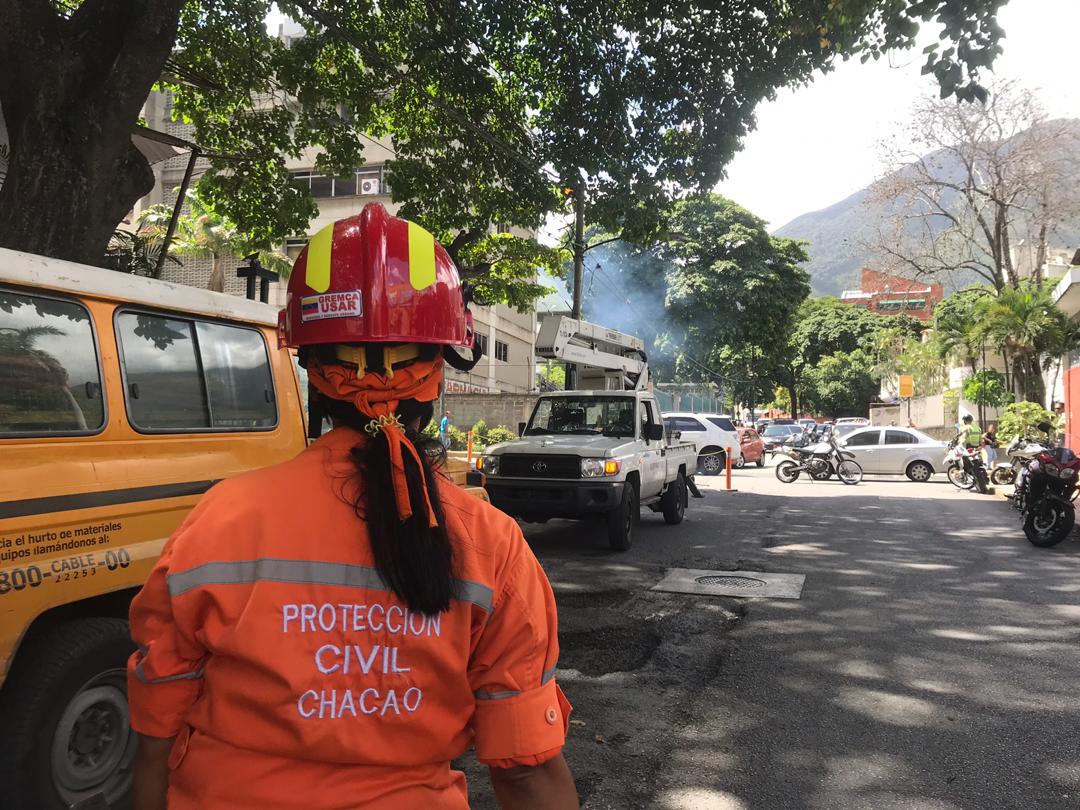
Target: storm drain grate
[[732, 583], [748, 583]]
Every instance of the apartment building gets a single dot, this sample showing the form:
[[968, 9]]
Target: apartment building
[[507, 336]]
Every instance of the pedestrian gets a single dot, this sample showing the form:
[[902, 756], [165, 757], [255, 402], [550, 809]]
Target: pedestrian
[[990, 445], [971, 432], [911, 424], [444, 429], [333, 631]]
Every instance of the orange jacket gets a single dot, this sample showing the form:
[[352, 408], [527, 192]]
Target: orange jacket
[[294, 677]]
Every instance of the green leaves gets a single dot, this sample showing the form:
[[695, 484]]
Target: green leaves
[[987, 387], [489, 108]]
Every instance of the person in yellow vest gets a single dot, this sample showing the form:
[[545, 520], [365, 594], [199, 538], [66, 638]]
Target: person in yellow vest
[[971, 432]]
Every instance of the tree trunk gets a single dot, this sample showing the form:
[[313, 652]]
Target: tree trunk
[[1053, 385], [71, 91], [794, 396], [217, 275], [1036, 386]]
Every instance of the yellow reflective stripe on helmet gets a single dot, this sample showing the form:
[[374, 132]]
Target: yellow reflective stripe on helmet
[[318, 259], [421, 257]]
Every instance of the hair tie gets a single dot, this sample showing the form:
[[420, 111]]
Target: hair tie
[[382, 423]]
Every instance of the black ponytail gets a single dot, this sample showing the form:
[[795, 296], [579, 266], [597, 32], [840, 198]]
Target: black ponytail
[[415, 560]]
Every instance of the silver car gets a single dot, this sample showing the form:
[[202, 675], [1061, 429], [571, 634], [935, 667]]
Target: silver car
[[896, 451]]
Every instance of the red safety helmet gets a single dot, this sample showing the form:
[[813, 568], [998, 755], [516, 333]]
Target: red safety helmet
[[374, 278]]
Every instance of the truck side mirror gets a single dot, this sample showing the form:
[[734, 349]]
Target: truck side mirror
[[521, 428], [654, 433]]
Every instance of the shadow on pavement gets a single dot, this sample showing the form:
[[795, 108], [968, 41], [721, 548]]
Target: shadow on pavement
[[931, 663]]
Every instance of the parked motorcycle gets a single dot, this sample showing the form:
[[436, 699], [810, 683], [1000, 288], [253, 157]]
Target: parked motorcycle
[[1020, 451], [1045, 489], [810, 444], [965, 468], [820, 461], [955, 469]]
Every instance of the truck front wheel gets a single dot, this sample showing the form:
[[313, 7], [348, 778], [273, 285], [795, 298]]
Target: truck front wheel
[[621, 520], [64, 712]]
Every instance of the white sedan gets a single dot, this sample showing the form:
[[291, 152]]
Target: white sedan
[[713, 436], [896, 451]]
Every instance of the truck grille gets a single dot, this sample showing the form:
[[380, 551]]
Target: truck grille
[[521, 466]]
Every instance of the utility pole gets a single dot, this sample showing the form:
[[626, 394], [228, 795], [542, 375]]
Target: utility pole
[[750, 377], [578, 194]]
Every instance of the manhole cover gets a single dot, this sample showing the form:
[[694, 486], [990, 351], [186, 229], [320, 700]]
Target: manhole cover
[[746, 584], [730, 582]]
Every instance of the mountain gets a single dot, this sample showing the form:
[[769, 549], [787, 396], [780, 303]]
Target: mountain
[[841, 235]]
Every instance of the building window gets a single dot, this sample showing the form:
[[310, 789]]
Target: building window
[[345, 186], [50, 380], [293, 248], [502, 351], [482, 342], [182, 375], [365, 182], [502, 227], [370, 181]]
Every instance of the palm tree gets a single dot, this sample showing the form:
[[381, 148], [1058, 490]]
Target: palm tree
[[203, 233], [137, 251], [1022, 323]]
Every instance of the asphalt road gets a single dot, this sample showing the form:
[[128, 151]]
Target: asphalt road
[[932, 662]]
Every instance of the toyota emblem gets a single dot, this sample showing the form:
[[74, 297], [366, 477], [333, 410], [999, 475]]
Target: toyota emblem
[[539, 466]]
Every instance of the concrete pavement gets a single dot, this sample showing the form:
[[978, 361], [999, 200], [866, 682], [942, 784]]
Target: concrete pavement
[[931, 662]]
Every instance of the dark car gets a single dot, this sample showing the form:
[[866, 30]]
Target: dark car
[[775, 436]]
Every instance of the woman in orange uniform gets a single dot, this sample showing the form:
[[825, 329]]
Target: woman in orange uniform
[[331, 632]]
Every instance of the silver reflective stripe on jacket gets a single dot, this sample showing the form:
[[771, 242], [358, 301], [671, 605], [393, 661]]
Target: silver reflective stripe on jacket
[[481, 695], [183, 676], [306, 572]]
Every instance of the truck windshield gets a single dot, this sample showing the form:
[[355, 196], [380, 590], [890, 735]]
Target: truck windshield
[[592, 415]]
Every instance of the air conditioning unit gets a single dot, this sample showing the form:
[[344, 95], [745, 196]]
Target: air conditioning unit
[[369, 186]]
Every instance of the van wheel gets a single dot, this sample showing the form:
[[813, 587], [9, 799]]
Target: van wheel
[[621, 520], [674, 501], [65, 708]]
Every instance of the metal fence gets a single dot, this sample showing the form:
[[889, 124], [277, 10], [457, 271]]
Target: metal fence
[[675, 397]]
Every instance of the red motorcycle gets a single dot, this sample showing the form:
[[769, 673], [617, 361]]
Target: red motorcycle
[[1045, 489]]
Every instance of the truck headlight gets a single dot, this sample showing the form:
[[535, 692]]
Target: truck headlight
[[599, 467], [489, 465]]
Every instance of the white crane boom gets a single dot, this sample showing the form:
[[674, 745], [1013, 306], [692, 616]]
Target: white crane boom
[[607, 360]]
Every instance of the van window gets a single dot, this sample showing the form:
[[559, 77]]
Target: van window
[[238, 379], [183, 375], [50, 377]]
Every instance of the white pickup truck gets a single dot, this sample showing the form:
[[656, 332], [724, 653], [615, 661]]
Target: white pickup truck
[[592, 453]]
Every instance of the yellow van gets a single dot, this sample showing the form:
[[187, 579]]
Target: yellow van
[[122, 400]]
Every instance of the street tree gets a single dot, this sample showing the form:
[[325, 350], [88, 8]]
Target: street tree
[[959, 330], [1030, 332], [732, 289], [969, 183], [826, 326], [489, 108], [987, 388], [841, 384]]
